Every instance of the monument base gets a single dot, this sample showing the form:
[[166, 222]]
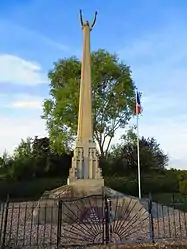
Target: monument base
[[85, 187], [46, 210], [74, 203]]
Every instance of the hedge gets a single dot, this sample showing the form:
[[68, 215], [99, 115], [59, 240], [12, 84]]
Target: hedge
[[33, 189]]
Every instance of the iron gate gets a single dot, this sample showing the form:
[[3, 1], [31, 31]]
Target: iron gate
[[99, 219], [92, 220]]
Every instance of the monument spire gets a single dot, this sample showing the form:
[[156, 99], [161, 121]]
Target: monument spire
[[85, 127], [85, 159]]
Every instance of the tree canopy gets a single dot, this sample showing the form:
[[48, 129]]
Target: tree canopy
[[113, 99], [33, 158], [123, 157]]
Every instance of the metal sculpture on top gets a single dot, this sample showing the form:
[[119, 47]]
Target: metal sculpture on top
[[86, 23]]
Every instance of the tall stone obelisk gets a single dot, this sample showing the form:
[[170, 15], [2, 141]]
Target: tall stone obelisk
[[85, 177], [85, 169]]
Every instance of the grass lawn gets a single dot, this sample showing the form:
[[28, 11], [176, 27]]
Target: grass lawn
[[177, 200]]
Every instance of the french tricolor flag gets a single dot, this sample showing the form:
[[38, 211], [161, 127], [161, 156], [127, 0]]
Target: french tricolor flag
[[138, 104]]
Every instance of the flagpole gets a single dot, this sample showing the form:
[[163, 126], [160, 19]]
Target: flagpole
[[138, 152]]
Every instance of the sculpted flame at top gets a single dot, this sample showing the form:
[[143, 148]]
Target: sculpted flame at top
[[86, 23]]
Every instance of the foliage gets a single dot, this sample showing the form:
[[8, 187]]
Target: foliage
[[33, 161], [111, 81], [123, 157], [182, 178]]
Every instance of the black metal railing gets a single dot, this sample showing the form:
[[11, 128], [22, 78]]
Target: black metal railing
[[87, 221]]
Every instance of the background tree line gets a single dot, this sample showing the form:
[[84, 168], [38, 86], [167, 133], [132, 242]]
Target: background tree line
[[38, 164], [33, 161]]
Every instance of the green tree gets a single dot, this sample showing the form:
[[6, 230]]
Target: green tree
[[24, 149], [113, 99], [47, 162], [33, 158], [41, 153], [22, 161], [182, 179], [5, 160], [123, 157]]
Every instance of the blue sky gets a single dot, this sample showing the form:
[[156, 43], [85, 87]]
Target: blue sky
[[149, 35]]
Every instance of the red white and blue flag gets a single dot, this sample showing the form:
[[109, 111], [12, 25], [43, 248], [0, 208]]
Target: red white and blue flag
[[138, 104]]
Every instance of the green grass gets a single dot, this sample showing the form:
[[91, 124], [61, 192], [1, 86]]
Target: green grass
[[177, 200]]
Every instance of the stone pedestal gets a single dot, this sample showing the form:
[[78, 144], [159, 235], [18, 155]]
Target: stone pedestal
[[46, 210], [122, 206], [85, 187]]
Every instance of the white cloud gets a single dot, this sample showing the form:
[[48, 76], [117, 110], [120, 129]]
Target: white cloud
[[17, 122], [23, 101], [16, 70], [12, 130], [26, 104]]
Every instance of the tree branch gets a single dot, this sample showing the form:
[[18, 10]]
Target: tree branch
[[109, 142]]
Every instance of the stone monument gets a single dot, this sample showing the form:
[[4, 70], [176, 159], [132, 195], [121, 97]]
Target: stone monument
[[85, 176], [85, 171]]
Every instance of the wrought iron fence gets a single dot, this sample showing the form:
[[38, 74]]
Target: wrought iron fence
[[91, 220]]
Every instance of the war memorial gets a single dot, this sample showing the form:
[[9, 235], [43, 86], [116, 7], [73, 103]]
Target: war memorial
[[85, 212]]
